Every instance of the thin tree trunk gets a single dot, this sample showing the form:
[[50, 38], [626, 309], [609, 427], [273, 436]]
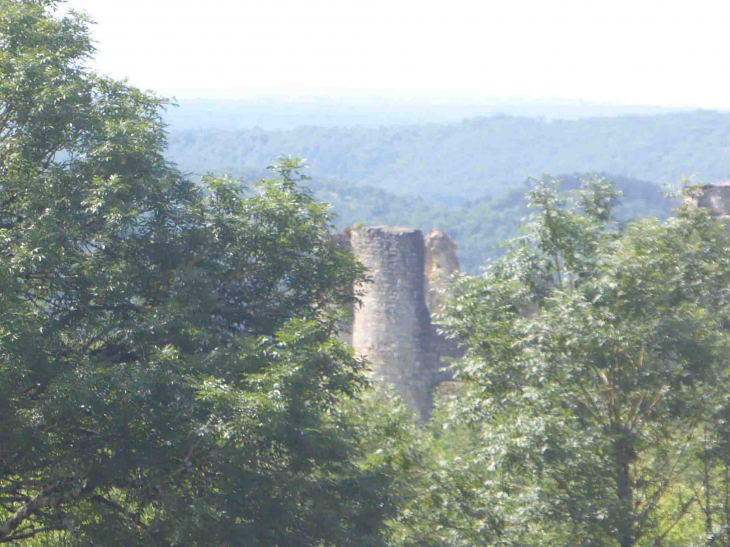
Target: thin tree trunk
[[727, 495], [706, 485], [624, 455]]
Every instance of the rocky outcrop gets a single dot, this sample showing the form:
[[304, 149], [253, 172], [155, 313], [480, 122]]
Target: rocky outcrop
[[441, 260], [715, 198], [392, 328]]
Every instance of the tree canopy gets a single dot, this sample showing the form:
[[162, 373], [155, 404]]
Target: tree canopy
[[168, 360], [596, 380]]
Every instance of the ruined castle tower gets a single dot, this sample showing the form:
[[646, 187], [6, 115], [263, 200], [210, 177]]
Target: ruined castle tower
[[393, 328]]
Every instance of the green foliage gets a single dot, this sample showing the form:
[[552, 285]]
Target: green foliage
[[596, 361], [479, 226], [169, 370]]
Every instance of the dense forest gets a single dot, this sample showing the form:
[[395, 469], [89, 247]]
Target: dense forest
[[172, 373], [480, 156], [479, 226], [469, 179]]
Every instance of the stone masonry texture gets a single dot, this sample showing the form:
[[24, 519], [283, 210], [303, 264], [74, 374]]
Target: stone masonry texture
[[392, 328]]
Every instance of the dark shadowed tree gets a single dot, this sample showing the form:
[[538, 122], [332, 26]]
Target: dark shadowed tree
[[168, 361]]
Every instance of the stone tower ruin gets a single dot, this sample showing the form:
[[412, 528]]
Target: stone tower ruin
[[392, 328]]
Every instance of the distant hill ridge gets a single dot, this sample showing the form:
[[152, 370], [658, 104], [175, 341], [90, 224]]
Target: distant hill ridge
[[479, 226], [479, 156], [274, 113]]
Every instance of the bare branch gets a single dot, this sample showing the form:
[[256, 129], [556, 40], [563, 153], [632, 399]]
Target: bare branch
[[50, 496], [32, 533]]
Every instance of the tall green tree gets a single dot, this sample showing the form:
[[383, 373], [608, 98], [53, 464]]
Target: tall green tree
[[168, 361], [596, 360]]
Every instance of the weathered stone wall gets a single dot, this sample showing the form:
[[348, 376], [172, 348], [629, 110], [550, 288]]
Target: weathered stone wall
[[441, 260], [392, 328]]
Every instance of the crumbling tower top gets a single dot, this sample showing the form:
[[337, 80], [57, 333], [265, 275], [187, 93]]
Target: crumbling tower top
[[715, 198]]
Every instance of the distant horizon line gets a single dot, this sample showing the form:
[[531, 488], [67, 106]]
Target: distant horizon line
[[380, 100], [374, 99]]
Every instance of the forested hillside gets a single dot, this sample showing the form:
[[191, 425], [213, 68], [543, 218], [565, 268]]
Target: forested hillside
[[479, 226], [480, 156]]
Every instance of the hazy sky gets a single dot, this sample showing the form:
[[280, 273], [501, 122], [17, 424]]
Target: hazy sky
[[663, 52]]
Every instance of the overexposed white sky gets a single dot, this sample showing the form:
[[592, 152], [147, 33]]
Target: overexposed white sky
[[644, 52]]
